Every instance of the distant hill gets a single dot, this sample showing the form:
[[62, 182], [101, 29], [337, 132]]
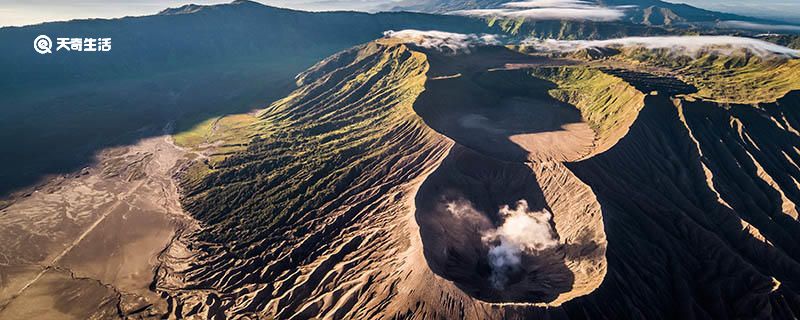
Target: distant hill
[[656, 12], [649, 12], [192, 35]]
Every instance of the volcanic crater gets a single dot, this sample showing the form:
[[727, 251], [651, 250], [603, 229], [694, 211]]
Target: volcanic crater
[[485, 222]]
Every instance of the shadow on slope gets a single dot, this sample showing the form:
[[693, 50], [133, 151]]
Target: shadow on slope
[[676, 250]]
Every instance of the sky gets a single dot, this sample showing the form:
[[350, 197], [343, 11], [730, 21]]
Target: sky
[[16, 13]]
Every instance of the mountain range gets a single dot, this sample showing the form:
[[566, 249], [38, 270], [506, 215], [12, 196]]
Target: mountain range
[[649, 12]]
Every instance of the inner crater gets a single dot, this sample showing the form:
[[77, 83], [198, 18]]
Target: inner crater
[[487, 226]]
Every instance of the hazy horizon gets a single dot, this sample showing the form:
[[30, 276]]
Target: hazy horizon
[[13, 13]]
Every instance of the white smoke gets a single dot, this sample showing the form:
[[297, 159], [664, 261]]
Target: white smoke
[[523, 232], [686, 45], [550, 10], [446, 42]]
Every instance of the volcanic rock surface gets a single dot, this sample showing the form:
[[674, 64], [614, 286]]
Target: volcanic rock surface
[[390, 184]]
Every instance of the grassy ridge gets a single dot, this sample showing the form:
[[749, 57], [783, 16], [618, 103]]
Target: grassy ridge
[[737, 77], [609, 104], [743, 79], [353, 118]]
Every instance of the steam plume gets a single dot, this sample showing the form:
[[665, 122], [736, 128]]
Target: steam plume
[[523, 232]]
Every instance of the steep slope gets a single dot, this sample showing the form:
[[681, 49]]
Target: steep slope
[[336, 160], [355, 202], [661, 201], [607, 102]]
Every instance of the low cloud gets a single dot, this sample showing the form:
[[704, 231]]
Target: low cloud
[[523, 232], [446, 42], [733, 24], [686, 45], [550, 10]]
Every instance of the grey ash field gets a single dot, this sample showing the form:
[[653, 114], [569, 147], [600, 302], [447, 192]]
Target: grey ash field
[[477, 162]]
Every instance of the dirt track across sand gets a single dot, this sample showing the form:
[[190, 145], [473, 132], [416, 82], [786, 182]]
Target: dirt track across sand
[[86, 245]]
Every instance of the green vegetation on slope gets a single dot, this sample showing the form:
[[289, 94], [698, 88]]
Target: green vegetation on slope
[[608, 103], [743, 79], [316, 146], [219, 137], [737, 77]]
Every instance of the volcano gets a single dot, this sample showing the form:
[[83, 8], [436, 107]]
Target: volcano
[[372, 189], [404, 172]]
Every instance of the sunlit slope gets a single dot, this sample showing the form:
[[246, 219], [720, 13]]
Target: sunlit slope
[[738, 79], [314, 208], [344, 119]]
